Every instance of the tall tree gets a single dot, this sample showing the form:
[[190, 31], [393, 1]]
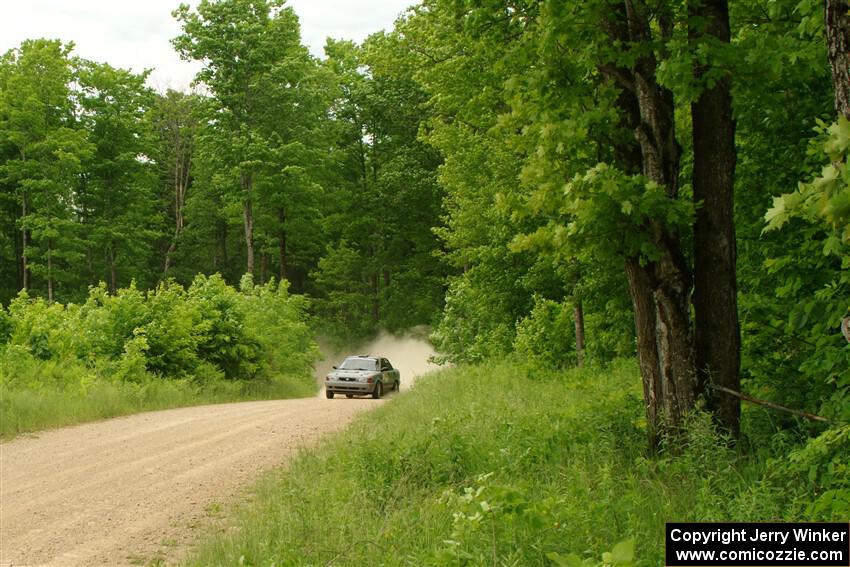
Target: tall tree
[[38, 126], [667, 274], [174, 122], [248, 48], [587, 102], [116, 197]]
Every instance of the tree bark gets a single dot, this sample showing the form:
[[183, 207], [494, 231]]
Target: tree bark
[[578, 317], [673, 333], [717, 333], [640, 290], [376, 312], [182, 165], [25, 282], [221, 261], [837, 23], [50, 271], [248, 220], [113, 275], [281, 217]]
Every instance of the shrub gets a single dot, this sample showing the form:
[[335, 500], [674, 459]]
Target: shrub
[[547, 335], [223, 337], [198, 336]]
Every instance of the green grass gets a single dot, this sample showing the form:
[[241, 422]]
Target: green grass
[[495, 465], [47, 394]]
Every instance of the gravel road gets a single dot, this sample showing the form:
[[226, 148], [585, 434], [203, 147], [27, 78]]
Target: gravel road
[[133, 490]]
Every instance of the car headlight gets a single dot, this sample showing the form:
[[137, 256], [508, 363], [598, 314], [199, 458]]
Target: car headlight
[[362, 379]]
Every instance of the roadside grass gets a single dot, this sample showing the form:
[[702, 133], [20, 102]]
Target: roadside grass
[[48, 394], [497, 465]]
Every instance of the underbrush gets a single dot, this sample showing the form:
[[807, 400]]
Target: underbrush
[[499, 465], [137, 351]]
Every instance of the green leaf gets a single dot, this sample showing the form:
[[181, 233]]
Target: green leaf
[[623, 553], [832, 246], [777, 215]]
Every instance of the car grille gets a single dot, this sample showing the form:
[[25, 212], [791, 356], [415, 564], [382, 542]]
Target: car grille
[[348, 379]]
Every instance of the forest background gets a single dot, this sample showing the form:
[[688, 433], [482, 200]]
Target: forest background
[[570, 182]]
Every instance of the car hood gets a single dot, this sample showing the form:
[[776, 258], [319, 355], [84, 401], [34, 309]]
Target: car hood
[[352, 373]]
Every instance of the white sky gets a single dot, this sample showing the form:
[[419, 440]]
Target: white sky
[[135, 34]]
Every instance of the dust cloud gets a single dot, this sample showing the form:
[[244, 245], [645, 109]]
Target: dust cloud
[[409, 354]]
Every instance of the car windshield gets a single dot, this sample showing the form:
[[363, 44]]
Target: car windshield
[[359, 364]]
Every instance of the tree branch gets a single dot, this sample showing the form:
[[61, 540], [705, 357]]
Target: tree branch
[[771, 405]]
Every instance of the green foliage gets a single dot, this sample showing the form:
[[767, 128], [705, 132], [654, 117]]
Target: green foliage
[[789, 305], [826, 199], [5, 326], [819, 277], [225, 338], [200, 337], [547, 335], [285, 344], [116, 194], [820, 469], [101, 179], [523, 122], [345, 305], [478, 320], [621, 554], [44, 154], [262, 146], [378, 270]]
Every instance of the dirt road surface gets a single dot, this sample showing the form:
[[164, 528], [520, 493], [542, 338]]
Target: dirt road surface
[[135, 490], [131, 490]]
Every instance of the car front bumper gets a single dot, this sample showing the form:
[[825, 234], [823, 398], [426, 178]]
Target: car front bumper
[[345, 387]]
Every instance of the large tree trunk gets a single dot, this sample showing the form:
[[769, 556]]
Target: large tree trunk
[[248, 219], [670, 277], [660, 289], [717, 331], [837, 22], [628, 155]]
